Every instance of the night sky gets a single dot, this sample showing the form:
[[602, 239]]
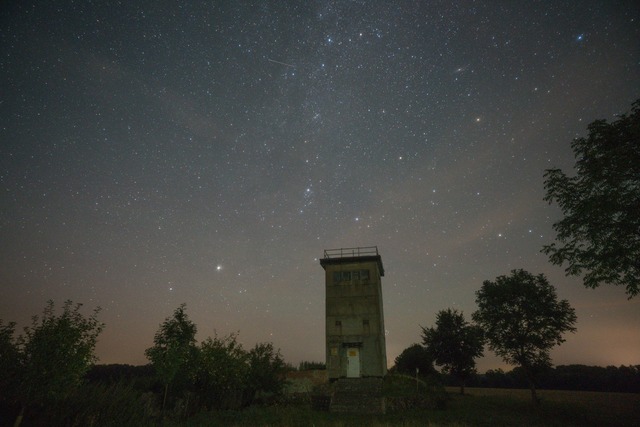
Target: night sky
[[154, 153]]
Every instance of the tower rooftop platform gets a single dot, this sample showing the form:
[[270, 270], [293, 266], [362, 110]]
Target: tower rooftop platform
[[348, 255]]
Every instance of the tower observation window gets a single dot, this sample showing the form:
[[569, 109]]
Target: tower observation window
[[348, 276]]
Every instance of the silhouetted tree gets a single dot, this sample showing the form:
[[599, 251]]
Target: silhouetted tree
[[454, 344], [594, 378], [174, 349], [523, 319], [221, 372], [50, 359], [496, 378], [9, 363], [266, 370], [600, 231], [414, 357], [569, 377]]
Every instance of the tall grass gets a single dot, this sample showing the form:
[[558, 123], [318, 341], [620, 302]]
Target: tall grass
[[489, 407], [116, 404], [125, 404], [480, 407]]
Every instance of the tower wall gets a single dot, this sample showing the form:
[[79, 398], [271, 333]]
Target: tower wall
[[354, 315]]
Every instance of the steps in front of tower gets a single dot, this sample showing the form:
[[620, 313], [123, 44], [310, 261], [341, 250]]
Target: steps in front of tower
[[358, 395]]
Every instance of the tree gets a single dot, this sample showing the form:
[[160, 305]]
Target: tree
[[523, 319], [600, 231], [454, 344], [221, 373], [9, 360], [414, 357], [174, 349], [52, 356], [266, 370]]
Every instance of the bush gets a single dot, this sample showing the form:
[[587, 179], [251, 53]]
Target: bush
[[117, 404], [402, 393]]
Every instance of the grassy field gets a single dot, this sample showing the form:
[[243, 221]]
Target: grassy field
[[479, 407], [485, 407]]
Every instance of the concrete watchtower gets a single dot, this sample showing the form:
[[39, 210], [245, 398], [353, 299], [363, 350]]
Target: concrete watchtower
[[355, 334]]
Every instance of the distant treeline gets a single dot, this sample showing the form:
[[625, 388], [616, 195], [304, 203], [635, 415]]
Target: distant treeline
[[116, 372], [625, 379], [310, 366]]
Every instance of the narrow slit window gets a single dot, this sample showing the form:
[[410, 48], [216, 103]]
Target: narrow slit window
[[336, 277]]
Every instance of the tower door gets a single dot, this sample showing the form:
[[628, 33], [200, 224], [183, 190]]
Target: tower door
[[353, 362]]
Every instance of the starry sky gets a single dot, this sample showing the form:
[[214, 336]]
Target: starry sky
[[154, 153]]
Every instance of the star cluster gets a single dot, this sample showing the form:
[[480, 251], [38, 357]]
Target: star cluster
[[207, 152]]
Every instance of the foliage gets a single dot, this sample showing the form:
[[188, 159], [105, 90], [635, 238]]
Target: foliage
[[454, 344], [621, 379], [600, 231], [9, 359], [221, 372], [116, 372], [174, 350], [217, 374], [56, 352], [482, 407], [266, 370], [414, 357], [523, 319], [310, 366], [117, 404], [404, 392], [47, 363], [593, 378]]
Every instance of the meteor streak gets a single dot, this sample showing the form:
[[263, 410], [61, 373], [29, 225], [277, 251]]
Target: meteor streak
[[282, 63]]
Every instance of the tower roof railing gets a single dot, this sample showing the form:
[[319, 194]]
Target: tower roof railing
[[351, 252]]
